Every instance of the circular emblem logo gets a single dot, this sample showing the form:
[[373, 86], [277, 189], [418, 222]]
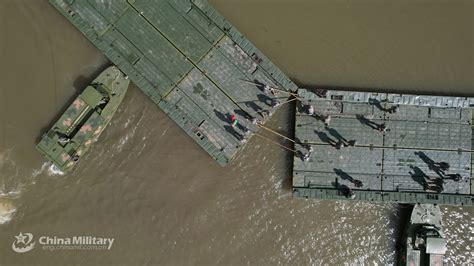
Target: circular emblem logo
[[23, 243]]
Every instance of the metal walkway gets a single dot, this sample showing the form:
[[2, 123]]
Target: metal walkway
[[201, 71], [189, 60], [393, 146]]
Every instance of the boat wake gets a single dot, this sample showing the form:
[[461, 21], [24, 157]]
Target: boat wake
[[49, 168], [53, 170], [7, 211], [11, 187], [7, 208], [37, 172]]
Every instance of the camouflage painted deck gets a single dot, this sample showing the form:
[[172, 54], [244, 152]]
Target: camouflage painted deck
[[397, 164], [84, 120], [188, 59]]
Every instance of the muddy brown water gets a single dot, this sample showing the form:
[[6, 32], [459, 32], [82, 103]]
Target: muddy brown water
[[150, 187]]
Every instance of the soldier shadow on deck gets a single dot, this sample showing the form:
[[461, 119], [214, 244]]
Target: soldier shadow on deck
[[339, 137], [234, 132], [298, 141], [222, 116], [79, 85], [266, 99], [325, 138], [435, 185], [259, 85], [343, 189], [430, 163], [365, 121], [377, 104], [253, 106], [419, 176], [243, 114], [320, 117], [345, 176]]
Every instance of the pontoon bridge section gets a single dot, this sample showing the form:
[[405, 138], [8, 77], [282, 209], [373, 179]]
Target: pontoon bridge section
[[189, 60], [384, 147]]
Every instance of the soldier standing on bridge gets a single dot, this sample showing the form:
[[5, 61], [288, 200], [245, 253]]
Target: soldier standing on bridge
[[382, 127], [254, 120], [310, 110], [307, 155], [393, 109], [327, 119], [233, 120]]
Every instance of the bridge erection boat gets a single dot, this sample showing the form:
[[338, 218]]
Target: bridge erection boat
[[84, 120], [424, 237]]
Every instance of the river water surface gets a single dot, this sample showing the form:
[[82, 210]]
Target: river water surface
[[161, 197]]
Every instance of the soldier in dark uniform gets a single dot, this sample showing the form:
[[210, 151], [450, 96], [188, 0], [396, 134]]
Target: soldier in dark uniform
[[443, 166], [455, 177], [382, 127], [357, 183], [393, 109]]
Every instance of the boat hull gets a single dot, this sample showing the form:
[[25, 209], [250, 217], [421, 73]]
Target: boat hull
[[84, 120]]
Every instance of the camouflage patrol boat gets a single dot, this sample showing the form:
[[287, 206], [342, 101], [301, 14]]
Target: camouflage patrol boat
[[425, 243], [84, 120]]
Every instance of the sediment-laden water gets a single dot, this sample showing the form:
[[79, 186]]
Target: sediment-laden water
[[150, 187]]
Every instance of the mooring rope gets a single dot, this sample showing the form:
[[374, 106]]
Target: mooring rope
[[277, 89], [274, 142], [274, 132]]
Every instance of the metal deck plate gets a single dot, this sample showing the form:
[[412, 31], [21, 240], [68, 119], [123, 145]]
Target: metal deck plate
[[188, 59], [392, 165]]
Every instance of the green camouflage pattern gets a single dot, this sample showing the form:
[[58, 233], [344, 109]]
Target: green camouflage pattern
[[191, 62], [84, 120]]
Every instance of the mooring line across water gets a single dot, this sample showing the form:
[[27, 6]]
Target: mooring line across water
[[273, 88], [274, 142], [276, 133]]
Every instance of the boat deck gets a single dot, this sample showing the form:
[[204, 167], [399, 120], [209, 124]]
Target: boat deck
[[189, 60], [395, 164]]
